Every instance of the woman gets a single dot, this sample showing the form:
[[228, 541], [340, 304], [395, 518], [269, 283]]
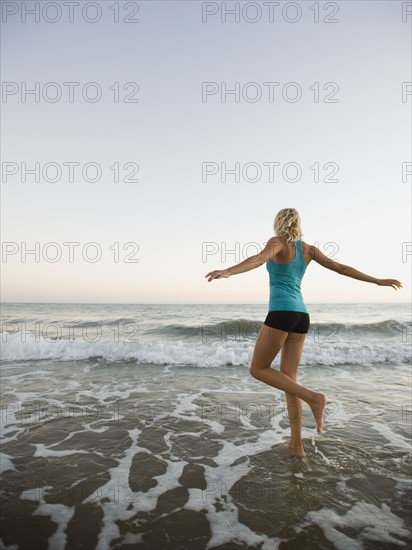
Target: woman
[[287, 322]]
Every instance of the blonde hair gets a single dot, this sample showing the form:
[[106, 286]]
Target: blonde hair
[[287, 225]]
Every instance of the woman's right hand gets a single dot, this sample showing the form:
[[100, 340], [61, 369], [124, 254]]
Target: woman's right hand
[[218, 274], [389, 282]]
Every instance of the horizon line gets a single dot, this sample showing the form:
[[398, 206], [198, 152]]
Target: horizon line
[[196, 303]]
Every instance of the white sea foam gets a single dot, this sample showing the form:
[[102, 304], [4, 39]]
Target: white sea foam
[[208, 354], [395, 439], [224, 524], [6, 463], [372, 523], [43, 451], [58, 513]]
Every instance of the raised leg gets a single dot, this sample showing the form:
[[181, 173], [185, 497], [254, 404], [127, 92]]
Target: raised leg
[[269, 342]]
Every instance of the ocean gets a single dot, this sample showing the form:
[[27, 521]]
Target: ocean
[[140, 427]]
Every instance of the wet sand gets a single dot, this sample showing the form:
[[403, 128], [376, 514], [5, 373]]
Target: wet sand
[[151, 457]]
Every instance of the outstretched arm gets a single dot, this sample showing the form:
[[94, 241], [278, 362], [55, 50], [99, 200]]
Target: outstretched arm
[[349, 271], [273, 246]]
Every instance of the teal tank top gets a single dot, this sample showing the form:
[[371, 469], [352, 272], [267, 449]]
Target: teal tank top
[[284, 283]]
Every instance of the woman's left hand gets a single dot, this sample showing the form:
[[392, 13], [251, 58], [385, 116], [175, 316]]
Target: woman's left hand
[[394, 283]]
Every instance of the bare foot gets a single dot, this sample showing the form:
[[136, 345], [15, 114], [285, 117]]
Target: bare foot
[[297, 450], [318, 406]]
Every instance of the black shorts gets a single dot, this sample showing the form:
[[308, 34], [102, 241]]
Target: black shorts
[[289, 321]]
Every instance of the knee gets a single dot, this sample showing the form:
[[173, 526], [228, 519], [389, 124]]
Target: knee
[[255, 372]]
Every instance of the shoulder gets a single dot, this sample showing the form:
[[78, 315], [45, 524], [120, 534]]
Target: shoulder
[[279, 241], [308, 252], [273, 246], [319, 257], [307, 248]]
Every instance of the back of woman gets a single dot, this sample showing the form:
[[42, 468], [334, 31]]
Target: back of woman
[[287, 321]]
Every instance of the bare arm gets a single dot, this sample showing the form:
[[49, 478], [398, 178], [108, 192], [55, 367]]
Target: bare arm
[[273, 246], [349, 271]]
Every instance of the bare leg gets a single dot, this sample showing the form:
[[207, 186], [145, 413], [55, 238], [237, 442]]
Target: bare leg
[[289, 362], [269, 342]]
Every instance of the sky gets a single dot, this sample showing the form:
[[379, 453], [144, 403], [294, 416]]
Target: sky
[[161, 138]]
